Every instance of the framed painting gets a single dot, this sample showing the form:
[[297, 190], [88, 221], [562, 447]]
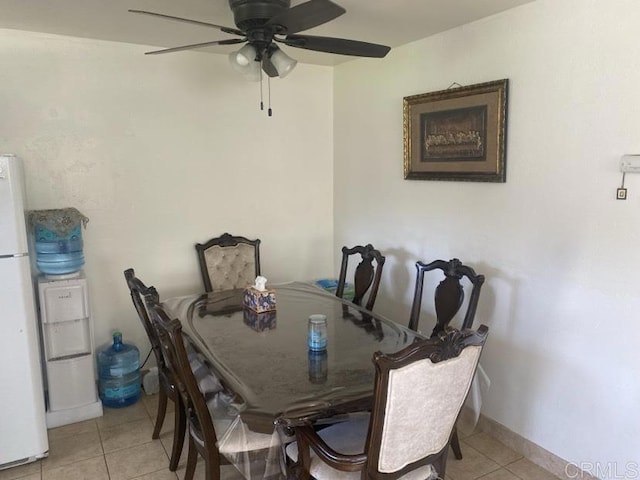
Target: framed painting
[[457, 134]]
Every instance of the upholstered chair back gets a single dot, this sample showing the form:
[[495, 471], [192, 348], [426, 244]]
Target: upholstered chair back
[[419, 393], [228, 262], [420, 415], [231, 267]]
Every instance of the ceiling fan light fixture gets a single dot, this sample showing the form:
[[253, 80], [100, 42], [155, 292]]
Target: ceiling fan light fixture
[[243, 61], [283, 63], [261, 23], [243, 57]]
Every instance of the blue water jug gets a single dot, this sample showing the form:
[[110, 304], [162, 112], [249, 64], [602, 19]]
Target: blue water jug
[[57, 255], [119, 373]]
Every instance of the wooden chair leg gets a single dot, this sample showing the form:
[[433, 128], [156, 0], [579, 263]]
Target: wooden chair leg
[[304, 458], [179, 428], [212, 465], [440, 464], [162, 410], [192, 458], [455, 444]]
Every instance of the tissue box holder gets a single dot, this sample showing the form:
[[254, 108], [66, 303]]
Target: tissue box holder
[[260, 301]]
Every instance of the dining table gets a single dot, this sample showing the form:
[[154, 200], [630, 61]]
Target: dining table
[[264, 359]]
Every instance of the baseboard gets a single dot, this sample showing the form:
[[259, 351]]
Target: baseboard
[[535, 453], [58, 418]]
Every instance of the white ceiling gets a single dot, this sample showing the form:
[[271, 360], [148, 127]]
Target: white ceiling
[[389, 22]]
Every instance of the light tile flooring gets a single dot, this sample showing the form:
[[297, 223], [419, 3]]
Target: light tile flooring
[[118, 446]]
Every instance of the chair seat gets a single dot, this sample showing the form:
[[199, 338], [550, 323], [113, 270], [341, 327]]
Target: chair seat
[[235, 436], [349, 438], [238, 438]]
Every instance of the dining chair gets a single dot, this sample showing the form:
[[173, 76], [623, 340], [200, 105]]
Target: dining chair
[[206, 419], [366, 277], [166, 377], [448, 298], [228, 262], [418, 395], [449, 294]]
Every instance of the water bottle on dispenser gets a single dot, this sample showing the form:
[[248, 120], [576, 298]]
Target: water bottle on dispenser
[[57, 235], [119, 373]]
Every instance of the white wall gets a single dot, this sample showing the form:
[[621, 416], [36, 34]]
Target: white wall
[[162, 152], [559, 252]]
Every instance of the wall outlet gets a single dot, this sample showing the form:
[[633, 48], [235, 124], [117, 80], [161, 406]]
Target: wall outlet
[[621, 194]]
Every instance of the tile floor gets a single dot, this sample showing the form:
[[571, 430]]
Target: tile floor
[[118, 446]]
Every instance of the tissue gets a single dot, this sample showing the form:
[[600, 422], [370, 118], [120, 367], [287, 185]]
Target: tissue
[[260, 283]]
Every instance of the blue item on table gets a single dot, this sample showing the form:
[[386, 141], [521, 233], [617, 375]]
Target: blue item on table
[[317, 337], [331, 285]]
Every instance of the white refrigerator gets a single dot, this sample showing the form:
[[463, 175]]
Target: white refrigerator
[[23, 431]]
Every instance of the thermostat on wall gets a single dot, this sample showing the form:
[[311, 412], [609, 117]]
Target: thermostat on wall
[[630, 164]]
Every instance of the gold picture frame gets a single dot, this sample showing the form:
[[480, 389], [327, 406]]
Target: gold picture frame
[[457, 134]]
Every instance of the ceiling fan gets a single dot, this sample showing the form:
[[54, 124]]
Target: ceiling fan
[[261, 24]]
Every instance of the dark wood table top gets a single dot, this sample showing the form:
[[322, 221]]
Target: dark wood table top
[[264, 358]]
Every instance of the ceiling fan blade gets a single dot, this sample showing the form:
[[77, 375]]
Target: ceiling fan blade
[[268, 67], [231, 41], [341, 46], [307, 15], [232, 31]]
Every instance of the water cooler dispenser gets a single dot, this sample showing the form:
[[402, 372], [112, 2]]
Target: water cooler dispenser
[[67, 335], [65, 320]]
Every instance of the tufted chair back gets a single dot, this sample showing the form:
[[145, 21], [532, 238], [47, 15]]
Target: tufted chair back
[[228, 262]]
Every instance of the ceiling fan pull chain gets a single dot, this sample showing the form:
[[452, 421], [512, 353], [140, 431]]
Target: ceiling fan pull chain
[[269, 89], [261, 102]]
